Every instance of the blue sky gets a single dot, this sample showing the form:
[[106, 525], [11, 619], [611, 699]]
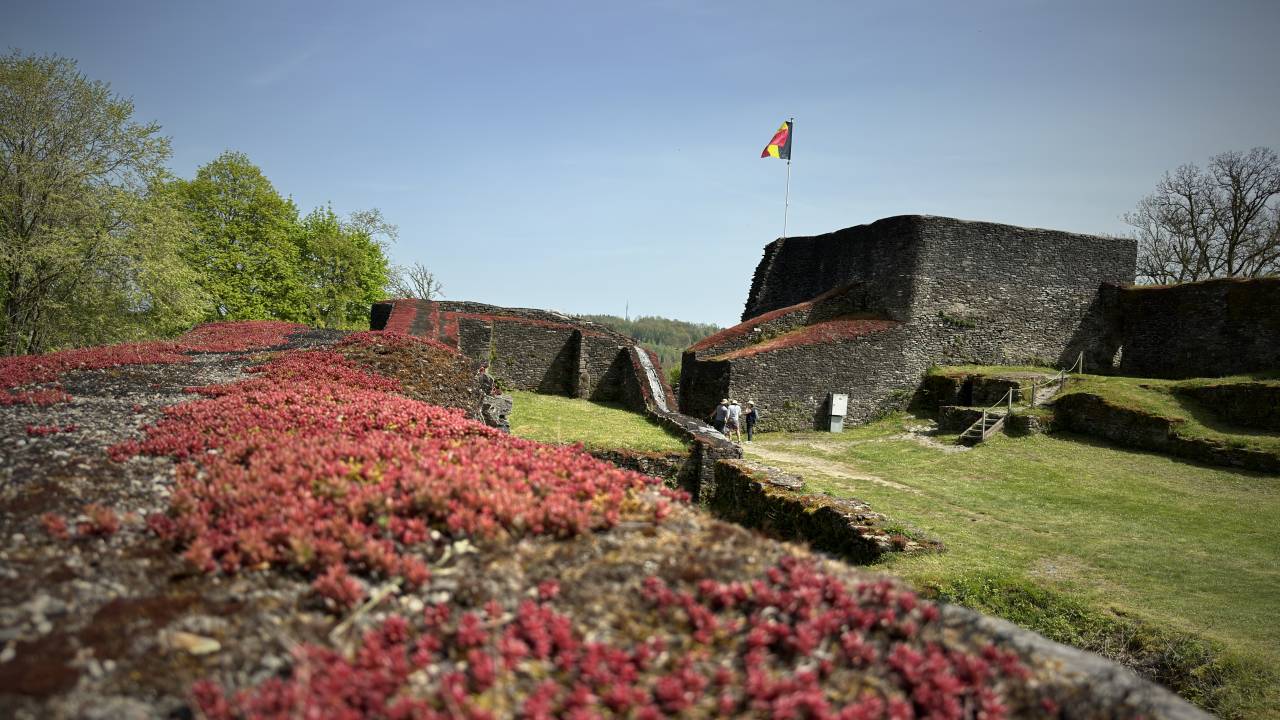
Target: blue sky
[[582, 155]]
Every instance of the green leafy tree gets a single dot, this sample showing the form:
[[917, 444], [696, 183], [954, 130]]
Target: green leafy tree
[[248, 242], [79, 230], [344, 264], [141, 288]]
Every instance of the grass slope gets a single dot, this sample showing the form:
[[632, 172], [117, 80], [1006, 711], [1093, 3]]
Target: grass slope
[[1157, 397], [563, 420], [1152, 396], [1113, 533]]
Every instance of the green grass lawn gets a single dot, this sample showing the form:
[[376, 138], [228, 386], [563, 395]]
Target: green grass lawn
[[563, 420], [1127, 534]]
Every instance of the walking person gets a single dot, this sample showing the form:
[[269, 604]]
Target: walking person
[[734, 422], [750, 417], [720, 415]]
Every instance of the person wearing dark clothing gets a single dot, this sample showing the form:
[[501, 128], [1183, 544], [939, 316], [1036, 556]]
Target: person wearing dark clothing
[[749, 418], [720, 416]]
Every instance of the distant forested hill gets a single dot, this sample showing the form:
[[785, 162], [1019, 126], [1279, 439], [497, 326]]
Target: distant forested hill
[[668, 338]]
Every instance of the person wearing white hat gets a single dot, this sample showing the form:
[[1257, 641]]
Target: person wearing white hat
[[731, 428]]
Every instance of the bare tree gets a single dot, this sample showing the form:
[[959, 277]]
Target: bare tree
[[1223, 221], [415, 281]]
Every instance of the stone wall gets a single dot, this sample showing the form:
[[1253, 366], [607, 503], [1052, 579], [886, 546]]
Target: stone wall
[[789, 387], [531, 357], [1019, 294], [527, 349], [880, 256], [706, 448], [1204, 329], [927, 290]]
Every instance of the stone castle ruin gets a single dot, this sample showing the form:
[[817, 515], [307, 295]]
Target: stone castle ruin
[[865, 311], [537, 350]]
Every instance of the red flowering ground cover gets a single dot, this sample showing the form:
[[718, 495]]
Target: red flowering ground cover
[[369, 475], [747, 326], [376, 482], [550, 585], [241, 336], [794, 643], [403, 313], [24, 370], [836, 330]]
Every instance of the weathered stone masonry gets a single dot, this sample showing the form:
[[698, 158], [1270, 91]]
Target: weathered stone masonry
[[534, 350], [550, 353], [1204, 329], [866, 310]]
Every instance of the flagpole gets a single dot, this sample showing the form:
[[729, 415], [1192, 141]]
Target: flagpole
[[786, 203]]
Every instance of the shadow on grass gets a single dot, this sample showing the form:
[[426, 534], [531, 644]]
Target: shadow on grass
[[1097, 442], [1203, 415]]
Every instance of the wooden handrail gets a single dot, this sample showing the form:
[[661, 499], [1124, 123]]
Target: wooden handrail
[[1010, 395]]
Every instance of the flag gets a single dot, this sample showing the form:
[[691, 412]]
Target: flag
[[780, 146]]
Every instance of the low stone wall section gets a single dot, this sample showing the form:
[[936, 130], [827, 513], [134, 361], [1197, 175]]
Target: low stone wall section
[[957, 418], [774, 502], [706, 448], [1205, 329], [1090, 414], [667, 466]]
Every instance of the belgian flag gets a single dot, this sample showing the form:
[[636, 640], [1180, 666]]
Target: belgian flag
[[780, 146]]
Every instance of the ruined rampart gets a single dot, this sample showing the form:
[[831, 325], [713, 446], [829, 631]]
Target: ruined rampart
[[535, 350], [550, 353], [1206, 329], [866, 310]]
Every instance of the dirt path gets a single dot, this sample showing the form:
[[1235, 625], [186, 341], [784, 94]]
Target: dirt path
[[776, 452], [830, 468]]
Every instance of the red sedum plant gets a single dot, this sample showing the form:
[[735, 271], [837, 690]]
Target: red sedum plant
[[403, 313], [368, 473], [24, 370], [795, 643]]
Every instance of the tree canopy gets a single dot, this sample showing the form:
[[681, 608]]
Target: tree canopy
[[98, 243], [88, 249], [1220, 221], [344, 265], [247, 244]]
